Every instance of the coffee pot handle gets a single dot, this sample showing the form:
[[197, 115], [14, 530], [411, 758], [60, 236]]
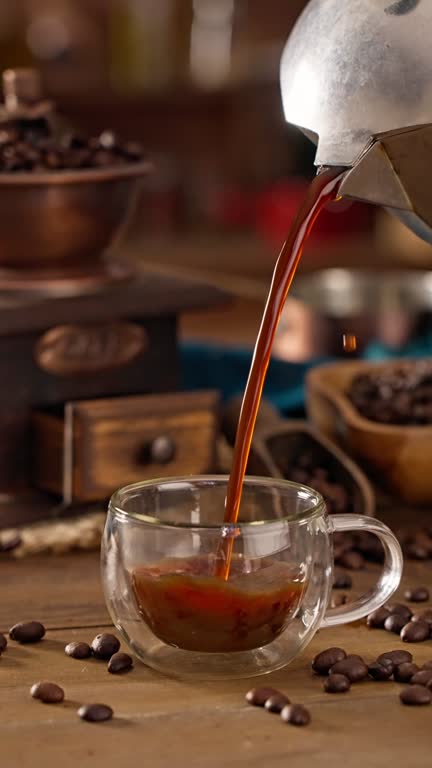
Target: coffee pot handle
[[390, 576]]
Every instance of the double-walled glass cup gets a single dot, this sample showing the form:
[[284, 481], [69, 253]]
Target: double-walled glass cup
[[162, 551]]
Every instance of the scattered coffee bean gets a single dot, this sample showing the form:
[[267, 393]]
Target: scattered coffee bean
[[49, 693], [337, 684], [78, 650], [395, 623], [353, 667], [415, 551], [3, 643], [342, 580], [396, 657], [323, 662], [427, 665], [423, 616], [377, 618], [95, 713], [417, 595], [400, 609], [415, 632], [276, 703], [295, 714], [416, 695], [385, 662], [27, 632], [120, 662], [423, 677], [405, 672], [104, 646], [380, 671], [258, 696], [338, 599], [352, 560]]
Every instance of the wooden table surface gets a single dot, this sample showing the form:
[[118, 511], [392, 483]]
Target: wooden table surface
[[166, 723]]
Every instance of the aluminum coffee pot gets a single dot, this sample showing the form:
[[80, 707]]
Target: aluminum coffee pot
[[356, 77]]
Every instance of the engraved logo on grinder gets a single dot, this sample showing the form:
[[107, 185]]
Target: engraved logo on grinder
[[70, 350], [402, 7]]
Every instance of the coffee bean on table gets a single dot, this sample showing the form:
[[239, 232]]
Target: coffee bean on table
[[354, 561], [95, 713], [3, 643], [323, 662], [397, 657], [385, 662], [376, 619], [104, 646], [400, 609], [423, 616], [338, 599], [258, 696], [295, 714], [353, 667], [276, 703], [120, 662], [342, 580], [380, 671], [417, 595], [423, 677], [27, 632], [404, 673], [427, 665], [415, 632], [49, 693], [416, 695], [337, 684], [415, 551], [395, 623], [78, 650]]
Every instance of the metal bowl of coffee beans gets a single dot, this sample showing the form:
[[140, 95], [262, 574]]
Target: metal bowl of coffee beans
[[381, 413]]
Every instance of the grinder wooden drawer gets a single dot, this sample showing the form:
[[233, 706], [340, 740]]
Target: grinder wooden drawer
[[101, 445]]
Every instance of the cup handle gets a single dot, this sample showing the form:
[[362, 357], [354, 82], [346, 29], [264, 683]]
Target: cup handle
[[390, 576]]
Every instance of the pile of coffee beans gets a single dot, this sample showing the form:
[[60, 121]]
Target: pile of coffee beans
[[401, 620], [401, 396], [277, 702], [24, 150], [305, 469], [342, 670]]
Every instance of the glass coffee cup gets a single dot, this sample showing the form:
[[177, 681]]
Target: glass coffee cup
[[161, 549]]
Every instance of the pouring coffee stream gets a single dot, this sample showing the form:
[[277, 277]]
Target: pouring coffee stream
[[323, 189]]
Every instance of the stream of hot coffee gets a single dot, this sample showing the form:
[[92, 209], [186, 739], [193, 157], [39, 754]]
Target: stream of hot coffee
[[323, 189]]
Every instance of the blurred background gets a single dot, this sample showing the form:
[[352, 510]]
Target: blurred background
[[196, 81]]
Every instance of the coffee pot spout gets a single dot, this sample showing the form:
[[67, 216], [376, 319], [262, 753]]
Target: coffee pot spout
[[393, 172]]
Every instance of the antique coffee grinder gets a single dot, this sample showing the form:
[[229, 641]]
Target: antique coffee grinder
[[88, 346], [356, 78]]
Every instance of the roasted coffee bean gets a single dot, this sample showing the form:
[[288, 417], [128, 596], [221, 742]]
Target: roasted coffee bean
[[415, 632], [49, 693], [405, 672], [416, 695], [417, 595], [427, 665], [395, 623], [380, 671], [422, 677], [399, 609], [27, 632], [396, 657], [377, 618], [385, 662], [323, 662], [276, 703], [337, 684], [338, 599], [258, 696], [295, 714], [423, 616], [353, 667], [120, 662], [95, 713], [414, 551], [104, 646], [354, 561], [78, 650], [342, 580], [3, 643]]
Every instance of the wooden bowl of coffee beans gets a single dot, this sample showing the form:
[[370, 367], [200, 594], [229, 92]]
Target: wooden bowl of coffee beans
[[381, 413]]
